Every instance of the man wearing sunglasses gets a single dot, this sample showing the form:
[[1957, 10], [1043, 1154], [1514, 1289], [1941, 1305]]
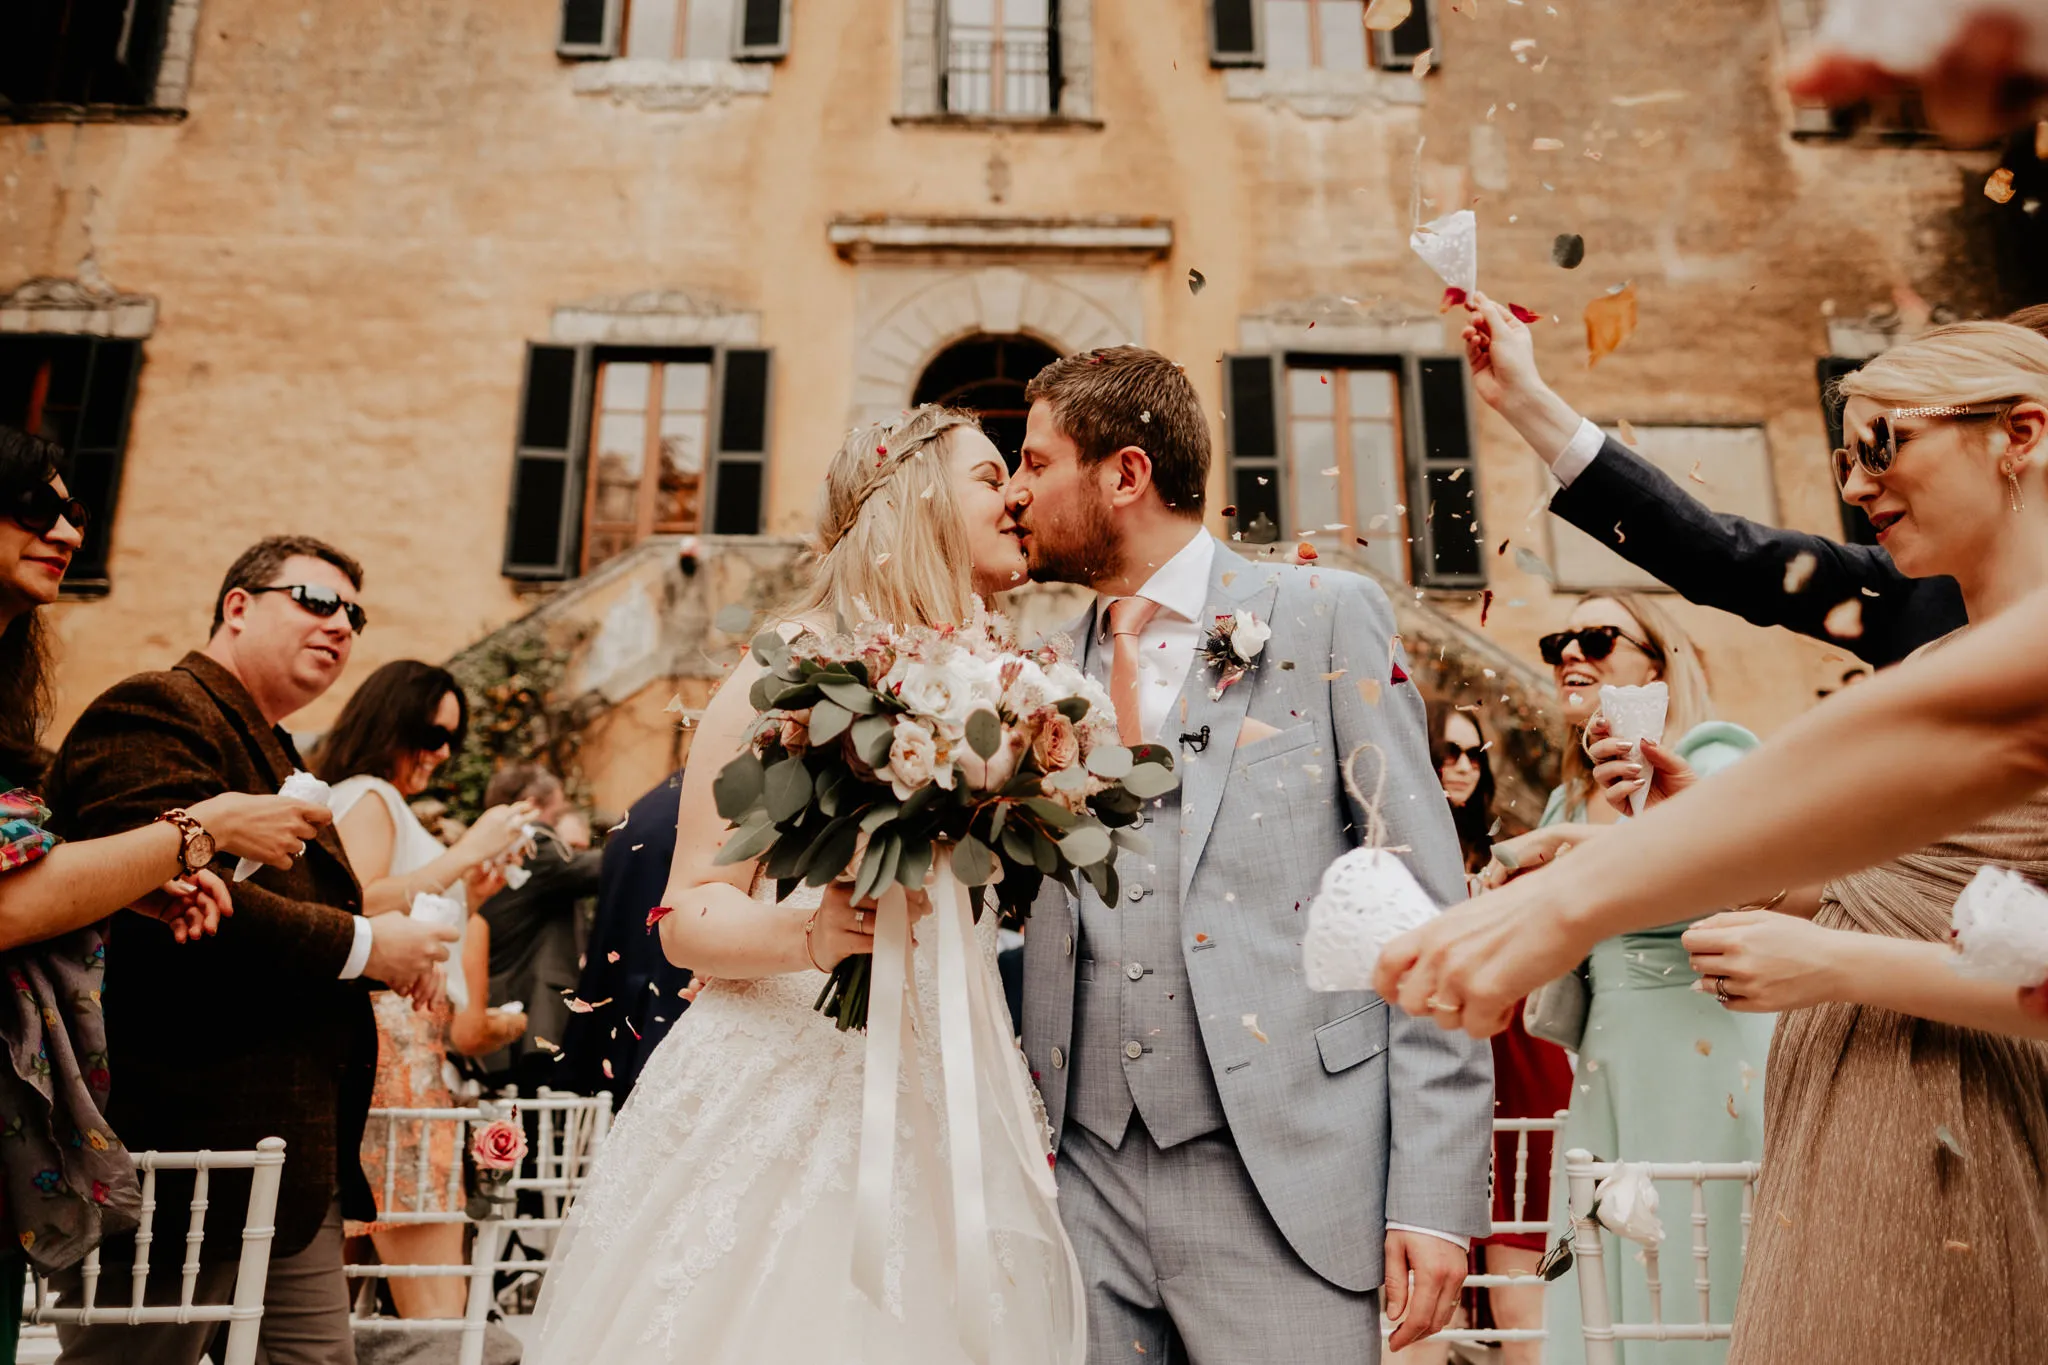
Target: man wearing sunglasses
[[1768, 575], [265, 1030]]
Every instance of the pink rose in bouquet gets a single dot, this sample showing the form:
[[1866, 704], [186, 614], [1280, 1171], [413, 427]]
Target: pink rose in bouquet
[[499, 1145]]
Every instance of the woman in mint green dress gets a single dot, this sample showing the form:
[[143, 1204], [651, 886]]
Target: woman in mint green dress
[[1664, 1073]]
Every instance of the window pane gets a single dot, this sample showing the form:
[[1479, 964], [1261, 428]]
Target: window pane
[[621, 456], [550, 397], [625, 385], [685, 388], [1027, 14], [980, 13], [1372, 393], [1309, 393], [1343, 34], [1452, 534], [1312, 488], [651, 29], [1252, 432], [739, 499], [1258, 504], [1287, 44], [537, 512], [678, 500], [1379, 491]]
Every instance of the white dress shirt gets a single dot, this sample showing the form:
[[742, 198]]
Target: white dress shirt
[[1578, 452], [1166, 650]]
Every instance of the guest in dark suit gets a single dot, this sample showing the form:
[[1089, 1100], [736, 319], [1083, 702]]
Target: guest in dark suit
[[264, 1030], [604, 1050], [533, 926], [1767, 575]]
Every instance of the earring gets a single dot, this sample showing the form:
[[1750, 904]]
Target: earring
[[2012, 480]]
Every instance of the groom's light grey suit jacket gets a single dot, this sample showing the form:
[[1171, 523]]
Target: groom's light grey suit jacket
[[1346, 1112]]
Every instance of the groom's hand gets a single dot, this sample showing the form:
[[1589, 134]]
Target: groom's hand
[[1425, 1275]]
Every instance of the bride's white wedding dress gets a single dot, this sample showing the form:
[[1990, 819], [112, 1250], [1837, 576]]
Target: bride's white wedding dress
[[718, 1222]]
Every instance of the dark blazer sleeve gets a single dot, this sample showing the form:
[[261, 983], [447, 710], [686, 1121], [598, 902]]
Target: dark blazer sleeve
[[1720, 560], [144, 748]]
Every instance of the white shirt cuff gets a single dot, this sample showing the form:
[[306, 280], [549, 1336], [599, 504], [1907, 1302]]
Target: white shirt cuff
[[359, 955], [1578, 453], [1461, 1243]]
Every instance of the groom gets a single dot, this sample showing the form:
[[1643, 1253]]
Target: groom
[[1243, 1162]]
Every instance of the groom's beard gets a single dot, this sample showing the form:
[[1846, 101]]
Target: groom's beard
[[1083, 548]]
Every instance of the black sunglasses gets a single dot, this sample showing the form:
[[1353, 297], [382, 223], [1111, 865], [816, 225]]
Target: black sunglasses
[[1877, 453], [1454, 751], [1595, 642], [39, 509], [321, 602], [432, 737]]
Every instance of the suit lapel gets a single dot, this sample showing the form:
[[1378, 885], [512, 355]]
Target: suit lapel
[[1235, 584]]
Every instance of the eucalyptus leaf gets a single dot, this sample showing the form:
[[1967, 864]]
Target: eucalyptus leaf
[[995, 820], [1086, 844], [832, 852], [1073, 708], [916, 863], [1152, 753], [771, 651], [761, 696], [872, 864], [1052, 812], [733, 618], [796, 696], [1045, 854], [984, 733], [848, 694], [737, 788], [1017, 844], [892, 857], [973, 863], [786, 789], [828, 722], [832, 785], [1072, 781], [751, 840], [1131, 841], [1109, 761], [871, 738], [879, 814], [1148, 780]]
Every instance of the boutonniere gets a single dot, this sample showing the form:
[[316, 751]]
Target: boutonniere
[[1233, 648]]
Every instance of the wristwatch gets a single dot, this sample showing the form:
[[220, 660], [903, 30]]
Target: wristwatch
[[196, 850]]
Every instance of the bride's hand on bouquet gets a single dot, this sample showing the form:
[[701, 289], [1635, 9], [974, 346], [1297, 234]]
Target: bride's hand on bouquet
[[1527, 852], [1620, 774], [840, 929]]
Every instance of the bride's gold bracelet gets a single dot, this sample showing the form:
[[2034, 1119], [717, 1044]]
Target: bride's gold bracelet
[[1771, 904], [809, 925]]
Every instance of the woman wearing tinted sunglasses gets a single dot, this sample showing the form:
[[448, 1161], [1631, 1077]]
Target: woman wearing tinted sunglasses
[[53, 897], [1657, 1062], [1873, 1052], [405, 721]]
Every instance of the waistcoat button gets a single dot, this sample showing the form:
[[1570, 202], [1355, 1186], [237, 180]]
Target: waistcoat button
[[1059, 1059], [1134, 1050], [1135, 972], [1135, 894]]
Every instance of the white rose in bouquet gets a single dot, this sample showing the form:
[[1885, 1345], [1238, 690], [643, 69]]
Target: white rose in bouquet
[[914, 760], [946, 692], [1028, 691]]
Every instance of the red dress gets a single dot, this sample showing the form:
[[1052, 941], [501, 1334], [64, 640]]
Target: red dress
[[1532, 1079]]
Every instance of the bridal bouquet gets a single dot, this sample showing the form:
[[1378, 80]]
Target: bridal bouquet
[[888, 747]]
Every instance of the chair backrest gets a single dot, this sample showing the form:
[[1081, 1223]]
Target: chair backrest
[[245, 1312], [570, 1130], [1525, 1219], [1582, 1176]]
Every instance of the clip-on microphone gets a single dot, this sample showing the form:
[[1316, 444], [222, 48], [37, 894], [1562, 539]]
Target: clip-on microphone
[[1197, 742]]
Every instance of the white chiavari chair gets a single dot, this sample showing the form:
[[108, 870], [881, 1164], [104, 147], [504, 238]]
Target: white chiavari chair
[[568, 1129], [243, 1314], [1526, 1219], [421, 1125], [1582, 1175]]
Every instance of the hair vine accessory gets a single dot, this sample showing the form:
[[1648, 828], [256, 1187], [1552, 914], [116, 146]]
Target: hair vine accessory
[[889, 458]]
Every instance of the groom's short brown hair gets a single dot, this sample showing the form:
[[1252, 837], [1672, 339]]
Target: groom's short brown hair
[[1119, 396]]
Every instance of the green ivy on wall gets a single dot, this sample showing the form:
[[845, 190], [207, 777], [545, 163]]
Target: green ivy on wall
[[518, 711]]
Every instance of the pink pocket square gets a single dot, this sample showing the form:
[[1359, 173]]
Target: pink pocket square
[[1254, 731]]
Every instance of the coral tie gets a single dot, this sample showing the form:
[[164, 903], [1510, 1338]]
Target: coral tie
[[1128, 617]]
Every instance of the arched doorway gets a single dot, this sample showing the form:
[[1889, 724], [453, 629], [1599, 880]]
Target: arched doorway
[[986, 375]]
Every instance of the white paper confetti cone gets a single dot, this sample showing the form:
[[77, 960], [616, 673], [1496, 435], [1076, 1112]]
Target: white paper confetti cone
[[1628, 1204], [445, 911], [1633, 715], [1450, 247], [2001, 929], [1367, 899], [300, 786]]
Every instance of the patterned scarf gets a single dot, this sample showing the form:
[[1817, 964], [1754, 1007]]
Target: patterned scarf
[[65, 1179]]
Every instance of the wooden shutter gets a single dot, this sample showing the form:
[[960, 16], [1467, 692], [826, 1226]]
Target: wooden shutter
[[590, 28], [763, 31], [543, 524], [739, 477], [1237, 33], [1445, 480], [1415, 35], [1252, 440], [1856, 527], [98, 450]]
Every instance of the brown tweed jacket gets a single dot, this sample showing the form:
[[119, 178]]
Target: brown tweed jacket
[[249, 1034]]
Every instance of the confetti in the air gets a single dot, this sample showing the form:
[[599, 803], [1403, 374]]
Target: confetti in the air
[[1694, 473], [1610, 320], [1546, 144], [1422, 62], [1568, 250], [1197, 281], [1628, 433], [675, 707], [1704, 1046], [1251, 1024], [1384, 16], [1948, 1140], [1799, 571], [1998, 189], [734, 618], [1531, 563], [1845, 619]]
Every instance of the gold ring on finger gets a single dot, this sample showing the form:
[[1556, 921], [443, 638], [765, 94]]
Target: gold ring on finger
[[1721, 989]]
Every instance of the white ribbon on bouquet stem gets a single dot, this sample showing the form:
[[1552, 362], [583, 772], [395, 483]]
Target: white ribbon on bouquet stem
[[974, 1043]]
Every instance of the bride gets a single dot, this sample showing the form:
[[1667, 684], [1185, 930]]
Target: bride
[[718, 1222]]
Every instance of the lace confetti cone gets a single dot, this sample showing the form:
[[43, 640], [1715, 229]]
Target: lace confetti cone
[[1450, 246]]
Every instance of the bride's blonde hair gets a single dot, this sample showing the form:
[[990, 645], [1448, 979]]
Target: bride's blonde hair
[[1962, 363], [890, 542]]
